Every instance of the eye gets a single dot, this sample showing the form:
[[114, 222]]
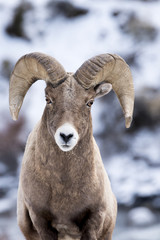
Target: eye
[[48, 100], [89, 103]]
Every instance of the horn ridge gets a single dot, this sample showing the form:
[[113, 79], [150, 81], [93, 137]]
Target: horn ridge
[[109, 68], [28, 69]]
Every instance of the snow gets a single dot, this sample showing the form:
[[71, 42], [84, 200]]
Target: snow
[[137, 233], [7, 182], [132, 178], [143, 145], [141, 216], [6, 205]]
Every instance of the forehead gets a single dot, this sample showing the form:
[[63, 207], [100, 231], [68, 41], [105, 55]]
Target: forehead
[[69, 90]]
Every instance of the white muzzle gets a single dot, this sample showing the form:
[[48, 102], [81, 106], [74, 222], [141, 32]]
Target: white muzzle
[[66, 137]]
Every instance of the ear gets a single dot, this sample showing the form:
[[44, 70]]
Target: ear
[[102, 89]]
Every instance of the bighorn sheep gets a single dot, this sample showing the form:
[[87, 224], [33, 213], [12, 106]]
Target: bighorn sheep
[[64, 191]]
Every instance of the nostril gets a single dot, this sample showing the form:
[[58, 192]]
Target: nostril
[[66, 138], [70, 136]]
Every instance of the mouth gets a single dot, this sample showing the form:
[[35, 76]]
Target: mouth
[[66, 145]]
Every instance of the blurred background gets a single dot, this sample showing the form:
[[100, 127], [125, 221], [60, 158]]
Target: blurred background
[[73, 31]]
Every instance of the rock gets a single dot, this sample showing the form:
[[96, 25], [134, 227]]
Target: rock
[[112, 125], [6, 68], [66, 9], [147, 109], [16, 27], [11, 146], [116, 13], [141, 216], [156, 202], [7, 204], [139, 28], [131, 59]]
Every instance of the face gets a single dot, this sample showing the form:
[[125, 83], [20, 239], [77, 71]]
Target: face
[[68, 112]]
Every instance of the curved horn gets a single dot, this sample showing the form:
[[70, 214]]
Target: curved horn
[[112, 69], [29, 69]]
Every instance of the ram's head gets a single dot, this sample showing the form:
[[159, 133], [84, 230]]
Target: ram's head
[[70, 96]]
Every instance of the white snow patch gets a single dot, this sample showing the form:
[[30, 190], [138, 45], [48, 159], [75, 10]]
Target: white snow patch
[[141, 216], [132, 178], [6, 205]]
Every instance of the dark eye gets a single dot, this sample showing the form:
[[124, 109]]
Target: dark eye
[[48, 100], [89, 104]]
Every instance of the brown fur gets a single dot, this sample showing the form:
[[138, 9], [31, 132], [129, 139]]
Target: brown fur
[[65, 195]]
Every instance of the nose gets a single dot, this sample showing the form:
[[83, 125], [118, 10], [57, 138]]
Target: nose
[[65, 137]]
